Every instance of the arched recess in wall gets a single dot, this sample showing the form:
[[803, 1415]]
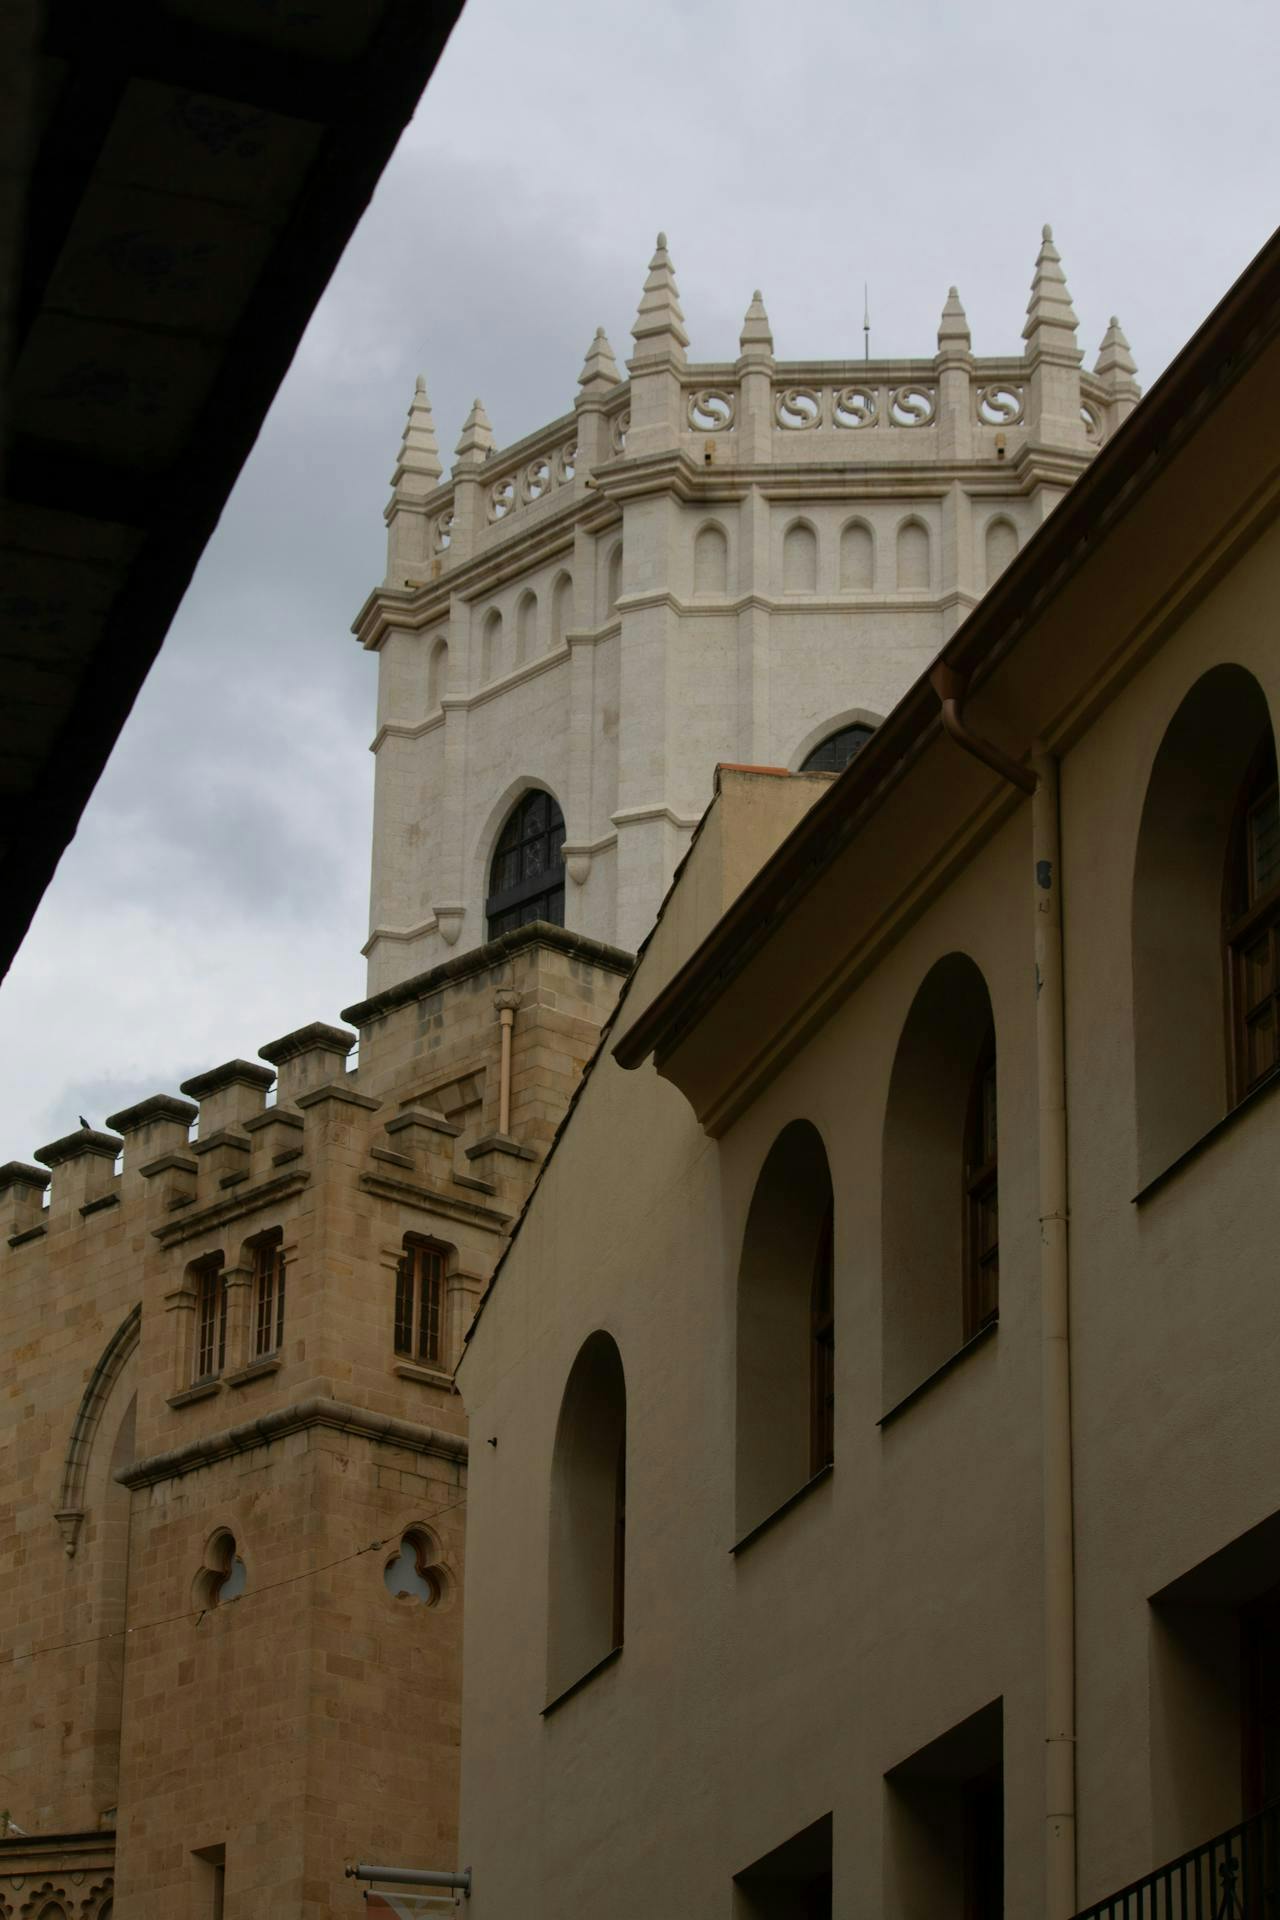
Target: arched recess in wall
[[561, 609], [857, 558], [613, 581], [115, 1356], [491, 650], [710, 559], [110, 1511], [800, 558], [913, 557], [1001, 546], [938, 1199], [587, 1560], [785, 1327], [526, 628], [437, 673], [1206, 916]]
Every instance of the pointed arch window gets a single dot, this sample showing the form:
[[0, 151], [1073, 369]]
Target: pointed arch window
[[526, 878], [833, 754], [1252, 923]]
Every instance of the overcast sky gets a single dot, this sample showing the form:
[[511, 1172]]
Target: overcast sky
[[216, 895]]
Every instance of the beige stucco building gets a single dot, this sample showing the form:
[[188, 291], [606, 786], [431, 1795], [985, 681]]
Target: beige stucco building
[[879, 1392]]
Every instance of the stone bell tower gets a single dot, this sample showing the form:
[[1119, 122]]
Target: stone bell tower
[[727, 561]]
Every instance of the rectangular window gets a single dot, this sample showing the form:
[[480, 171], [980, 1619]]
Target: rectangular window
[[419, 1322], [268, 1296], [211, 1320]]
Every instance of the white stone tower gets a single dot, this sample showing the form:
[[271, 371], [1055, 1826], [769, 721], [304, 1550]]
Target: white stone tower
[[720, 562]]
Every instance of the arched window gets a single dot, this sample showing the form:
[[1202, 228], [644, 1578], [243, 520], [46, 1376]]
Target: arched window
[[412, 1572], [939, 1196], [822, 1351], [833, 754], [223, 1577], [526, 879], [437, 674], [588, 1516], [800, 559], [491, 660], [561, 609], [982, 1198], [1205, 912], [420, 1331], [785, 1328], [526, 628], [1253, 923], [913, 557], [614, 578], [710, 560], [1002, 547], [857, 558]]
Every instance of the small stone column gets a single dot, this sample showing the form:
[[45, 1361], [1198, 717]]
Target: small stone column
[[954, 368], [470, 490], [1052, 356], [755, 371], [416, 477], [658, 362], [597, 381]]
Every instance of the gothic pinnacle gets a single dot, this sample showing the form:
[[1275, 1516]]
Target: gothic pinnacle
[[953, 328], [1114, 356], [1049, 310], [659, 324], [419, 451], [476, 444], [599, 369], [755, 342]]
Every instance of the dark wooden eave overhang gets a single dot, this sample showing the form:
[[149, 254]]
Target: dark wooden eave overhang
[[1194, 472], [182, 182]]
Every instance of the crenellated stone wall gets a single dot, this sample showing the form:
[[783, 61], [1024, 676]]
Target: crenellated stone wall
[[699, 563], [275, 1736]]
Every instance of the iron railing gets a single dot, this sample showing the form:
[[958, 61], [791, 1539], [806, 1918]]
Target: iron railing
[[1234, 1876]]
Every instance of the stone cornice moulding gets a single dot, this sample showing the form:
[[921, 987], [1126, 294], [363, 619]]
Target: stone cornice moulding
[[233, 1206], [317, 1411], [656, 810], [434, 1200]]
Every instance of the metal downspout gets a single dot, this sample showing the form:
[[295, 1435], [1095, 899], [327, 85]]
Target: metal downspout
[[1040, 780]]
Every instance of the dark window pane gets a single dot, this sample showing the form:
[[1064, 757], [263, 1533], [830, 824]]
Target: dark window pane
[[837, 750]]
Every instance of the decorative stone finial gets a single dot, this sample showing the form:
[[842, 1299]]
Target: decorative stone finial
[[476, 444], [953, 328], [599, 369], [755, 342], [1051, 318], [419, 451], [659, 328], [1114, 356]]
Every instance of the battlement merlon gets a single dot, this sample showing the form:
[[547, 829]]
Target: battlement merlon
[[753, 412], [423, 1106]]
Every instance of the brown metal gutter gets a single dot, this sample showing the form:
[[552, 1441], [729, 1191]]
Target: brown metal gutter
[[1213, 360]]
